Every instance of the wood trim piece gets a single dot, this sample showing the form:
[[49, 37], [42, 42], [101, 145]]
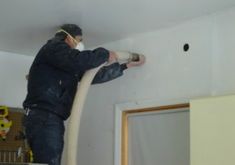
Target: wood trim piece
[[160, 108], [124, 147], [125, 130]]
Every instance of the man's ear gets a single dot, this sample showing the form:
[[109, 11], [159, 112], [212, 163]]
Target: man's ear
[[68, 40]]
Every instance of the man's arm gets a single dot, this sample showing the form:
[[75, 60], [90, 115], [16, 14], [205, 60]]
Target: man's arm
[[65, 58], [108, 73], [115, 70]]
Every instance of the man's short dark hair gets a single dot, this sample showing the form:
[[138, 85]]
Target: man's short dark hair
[[72, 29]]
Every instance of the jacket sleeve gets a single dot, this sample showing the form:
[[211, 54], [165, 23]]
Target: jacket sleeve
[[108, 73], [65, 58]]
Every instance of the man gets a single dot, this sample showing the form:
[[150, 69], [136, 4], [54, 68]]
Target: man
[[52, 83]]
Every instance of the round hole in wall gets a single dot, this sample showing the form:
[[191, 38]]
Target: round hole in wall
[[186, 47]]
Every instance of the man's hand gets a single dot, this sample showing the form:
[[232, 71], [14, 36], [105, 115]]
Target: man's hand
[[112, 57], [136, 63]]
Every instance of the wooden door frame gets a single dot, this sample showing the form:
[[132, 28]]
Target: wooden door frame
[[122, 111]]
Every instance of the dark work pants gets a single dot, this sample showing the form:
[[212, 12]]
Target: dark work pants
[[45, 135]]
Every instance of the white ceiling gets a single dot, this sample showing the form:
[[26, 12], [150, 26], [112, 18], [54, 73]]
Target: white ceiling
[[27, 24]]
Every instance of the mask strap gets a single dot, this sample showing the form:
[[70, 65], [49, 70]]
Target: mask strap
[[61, 30]]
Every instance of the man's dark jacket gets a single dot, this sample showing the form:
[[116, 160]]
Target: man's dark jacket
[[57, 69]]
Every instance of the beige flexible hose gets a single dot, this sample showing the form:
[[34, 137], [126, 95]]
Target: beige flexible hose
[[76, 112], [74, 123]]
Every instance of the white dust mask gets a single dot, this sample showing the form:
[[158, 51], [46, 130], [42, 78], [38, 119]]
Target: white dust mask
[[80, 46]]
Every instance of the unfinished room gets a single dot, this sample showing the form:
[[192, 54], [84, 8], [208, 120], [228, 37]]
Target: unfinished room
[[127, 82]]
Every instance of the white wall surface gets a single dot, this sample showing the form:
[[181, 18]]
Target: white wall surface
[[13, 68], [169, 74], [224, 55]]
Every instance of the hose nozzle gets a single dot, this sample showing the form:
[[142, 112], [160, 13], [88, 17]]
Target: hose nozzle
[[128, 56]]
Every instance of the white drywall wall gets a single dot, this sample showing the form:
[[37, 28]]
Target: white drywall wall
[[169, 74], [13, 69], [224, 54]]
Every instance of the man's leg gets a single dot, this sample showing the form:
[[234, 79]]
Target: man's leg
[[45, 133]]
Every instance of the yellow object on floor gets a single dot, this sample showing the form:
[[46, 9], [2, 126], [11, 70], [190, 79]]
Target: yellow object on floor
[[5, 124]]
